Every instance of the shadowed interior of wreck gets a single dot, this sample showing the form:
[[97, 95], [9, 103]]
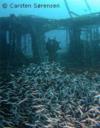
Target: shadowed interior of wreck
[[49, 67], [83, 32]]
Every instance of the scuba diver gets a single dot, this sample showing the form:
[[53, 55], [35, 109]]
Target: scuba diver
[[52, 46]]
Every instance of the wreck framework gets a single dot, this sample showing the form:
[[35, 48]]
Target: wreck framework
[[81, 50]]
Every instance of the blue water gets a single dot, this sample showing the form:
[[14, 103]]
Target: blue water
[[77, 6]]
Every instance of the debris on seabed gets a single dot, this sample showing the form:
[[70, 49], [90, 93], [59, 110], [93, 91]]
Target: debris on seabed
[[46, 96]]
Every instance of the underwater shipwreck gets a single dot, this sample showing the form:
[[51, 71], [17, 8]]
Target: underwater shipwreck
[[38, 91]]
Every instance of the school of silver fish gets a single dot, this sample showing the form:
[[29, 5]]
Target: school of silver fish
[[46, 96]]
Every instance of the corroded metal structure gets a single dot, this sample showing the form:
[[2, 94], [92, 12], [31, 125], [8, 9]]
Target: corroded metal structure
[[12, 28]]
